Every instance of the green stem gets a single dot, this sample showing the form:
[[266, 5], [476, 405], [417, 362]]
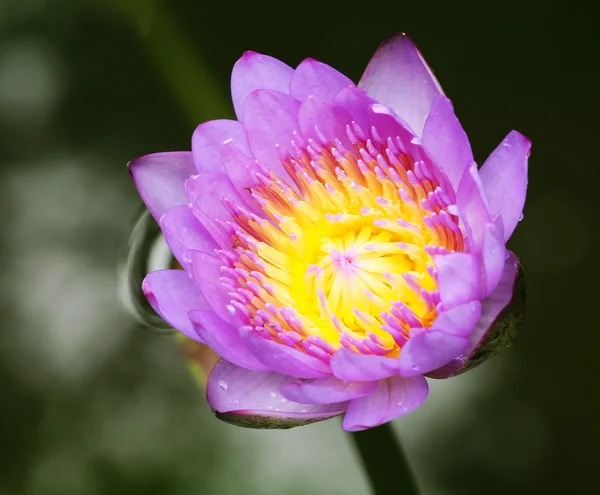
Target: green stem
[[384, 461]]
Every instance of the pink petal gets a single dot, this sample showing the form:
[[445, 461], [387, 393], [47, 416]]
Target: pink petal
[[159, 178], [285, 359], [330, 120], [208, 139], [460, 320], [251, 398], [493, 255], [351, 366], [504, 178], [394, 397], [313, 78], [256, 71], [398, 77], [357, 103], [206, 273], [326, 390], [459, 278], [183, 232], [429, 350], [271, 120], [206, 193], [446, 141], [172, 295], [224, 339], [473, 206], [491, 307]]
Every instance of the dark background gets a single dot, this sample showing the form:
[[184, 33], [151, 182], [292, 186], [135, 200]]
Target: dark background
[[93, 404]]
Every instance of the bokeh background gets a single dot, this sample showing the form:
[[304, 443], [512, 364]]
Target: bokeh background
[[92, 403]]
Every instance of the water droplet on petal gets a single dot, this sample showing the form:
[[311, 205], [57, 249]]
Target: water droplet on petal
[[521, 216], [416, 368], [283, 401], [276, 409], [400, 403], [223, 385], [270, 408], [273, 395], [236, 402]]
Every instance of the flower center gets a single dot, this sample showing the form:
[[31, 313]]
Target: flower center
[[343, 256]]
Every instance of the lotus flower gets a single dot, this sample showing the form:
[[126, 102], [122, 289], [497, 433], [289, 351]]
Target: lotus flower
[[338, 241]]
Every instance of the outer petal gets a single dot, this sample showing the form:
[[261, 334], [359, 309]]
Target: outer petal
[[326, 390], [460, 320], [430, 350], [394, 397], [458, 278], [183, 232], [398, 77], [159, 178], [172, 295], [357, 103], [501, 318], [493, 255], [473, 205], [252, 399], [224, 339], [352, 366], [208, 139], [256, 71], [504, 178], [271, 120], [313, 78], [284, 359], [446, 141]]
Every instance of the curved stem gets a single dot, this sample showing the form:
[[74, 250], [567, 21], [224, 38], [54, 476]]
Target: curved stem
[[384, 461]]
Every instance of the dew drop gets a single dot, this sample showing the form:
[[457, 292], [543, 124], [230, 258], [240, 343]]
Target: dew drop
[[223, 385], [236, 402], [416, 368], [521, 216], [283, 401], [273, 395], [400, 403], [303, 411], [270, 408], [276, 409]]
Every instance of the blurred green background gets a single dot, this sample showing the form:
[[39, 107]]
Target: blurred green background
[[93, 404]]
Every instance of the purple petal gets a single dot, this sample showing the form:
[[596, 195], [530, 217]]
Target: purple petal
[[473, 206], [504, 178], [206, 193], [493, 255], [394, 397], [460, 320], [446, 141], [251, 398], [459, 277], [398, 77], [172, 295], [271, 120], [326, 390], [491, 307], [206, 273], [313, 78], [224, 339], [208, 139], [357, 103], [351, 366], [285, 359], [331, 121], [429, 350], [159, 178], [183, 231], [241, 169], [257, 71]]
